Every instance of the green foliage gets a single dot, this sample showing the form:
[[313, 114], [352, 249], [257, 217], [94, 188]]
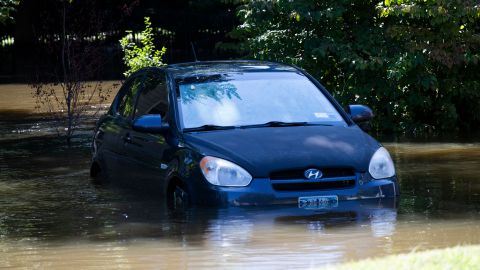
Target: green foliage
[[438, 67], [460, 257], [6, 8], [416, 63], [146, 55]]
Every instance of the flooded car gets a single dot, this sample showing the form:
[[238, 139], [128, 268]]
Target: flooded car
[[239, 133]]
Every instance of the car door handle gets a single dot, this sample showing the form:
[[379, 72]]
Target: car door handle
[[127, 138]]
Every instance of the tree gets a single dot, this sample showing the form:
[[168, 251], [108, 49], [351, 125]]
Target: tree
[[67, 95], [436, 70], [147, 55]]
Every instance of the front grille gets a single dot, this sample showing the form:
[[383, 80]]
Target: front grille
[[339, 184], [332, 178], [299, 173]]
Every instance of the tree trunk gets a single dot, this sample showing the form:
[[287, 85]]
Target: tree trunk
[[66, 85]]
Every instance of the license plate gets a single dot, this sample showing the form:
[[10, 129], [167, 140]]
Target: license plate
[[318, 202]]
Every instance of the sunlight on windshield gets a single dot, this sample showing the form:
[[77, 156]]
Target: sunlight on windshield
[[222, 113]]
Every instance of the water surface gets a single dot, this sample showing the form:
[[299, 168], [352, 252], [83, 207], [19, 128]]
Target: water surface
[[51, 216]]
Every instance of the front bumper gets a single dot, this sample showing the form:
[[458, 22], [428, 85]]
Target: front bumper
[[261, 192]]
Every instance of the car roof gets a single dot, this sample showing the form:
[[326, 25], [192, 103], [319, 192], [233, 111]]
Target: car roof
[[183, 70]]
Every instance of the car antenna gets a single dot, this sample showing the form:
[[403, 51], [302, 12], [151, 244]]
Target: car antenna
[[193, 51]]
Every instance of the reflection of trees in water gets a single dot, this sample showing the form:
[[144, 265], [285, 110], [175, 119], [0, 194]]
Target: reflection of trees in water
[[213, 90]]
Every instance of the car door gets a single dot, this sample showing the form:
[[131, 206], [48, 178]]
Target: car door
[[145, 150], [109, 131], [125, 110]]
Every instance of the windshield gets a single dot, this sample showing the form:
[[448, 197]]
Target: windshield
[[252, 98]]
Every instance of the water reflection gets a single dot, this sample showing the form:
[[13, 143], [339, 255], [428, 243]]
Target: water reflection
[[440, 179]]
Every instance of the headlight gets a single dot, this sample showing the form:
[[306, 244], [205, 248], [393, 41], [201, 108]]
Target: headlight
[[381, 164], [221, 172]]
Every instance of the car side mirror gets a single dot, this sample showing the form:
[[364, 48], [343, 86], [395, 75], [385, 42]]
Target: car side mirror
[[151, 123], [360, 113]]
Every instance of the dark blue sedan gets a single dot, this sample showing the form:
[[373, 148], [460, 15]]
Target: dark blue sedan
[[239, 133]]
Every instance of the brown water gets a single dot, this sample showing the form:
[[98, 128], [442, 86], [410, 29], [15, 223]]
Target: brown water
[[51, 216]]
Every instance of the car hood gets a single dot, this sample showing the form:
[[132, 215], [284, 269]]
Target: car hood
[[264, 150]]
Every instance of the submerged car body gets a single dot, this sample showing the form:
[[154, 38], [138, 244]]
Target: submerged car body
[[239, 133]]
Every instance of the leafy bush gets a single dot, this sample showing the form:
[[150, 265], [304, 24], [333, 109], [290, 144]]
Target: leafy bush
[[146, 55], [437, 67], [415, 62]]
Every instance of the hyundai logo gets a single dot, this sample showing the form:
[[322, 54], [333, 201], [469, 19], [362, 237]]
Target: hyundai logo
[[313, 174]]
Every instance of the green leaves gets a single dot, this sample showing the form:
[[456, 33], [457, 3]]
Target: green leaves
[[137, 57], [437, 60]]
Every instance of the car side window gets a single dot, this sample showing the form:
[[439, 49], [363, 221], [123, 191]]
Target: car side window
[[127, 102], [154, 97]]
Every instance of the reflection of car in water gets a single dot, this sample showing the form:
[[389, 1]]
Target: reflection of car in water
[[151, 219], [381, 214], [239, 133]]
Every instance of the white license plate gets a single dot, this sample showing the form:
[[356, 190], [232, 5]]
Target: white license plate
[[318, 202]]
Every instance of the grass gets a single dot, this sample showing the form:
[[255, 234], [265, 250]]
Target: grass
[[466, 257]]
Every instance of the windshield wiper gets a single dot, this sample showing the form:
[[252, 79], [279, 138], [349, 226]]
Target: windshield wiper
[[267, 124], [208, 127], [284, 124]]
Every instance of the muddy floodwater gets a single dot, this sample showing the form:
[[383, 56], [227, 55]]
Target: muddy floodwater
[[52, 216]]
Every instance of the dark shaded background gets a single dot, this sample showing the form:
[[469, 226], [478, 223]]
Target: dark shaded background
[[38, 25]]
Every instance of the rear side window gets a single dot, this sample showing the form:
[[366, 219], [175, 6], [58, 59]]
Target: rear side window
[[127, 103], [154, 97]]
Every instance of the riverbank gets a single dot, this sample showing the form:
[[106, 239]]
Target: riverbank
[[22, 117], [18, 97], [462, 257]]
